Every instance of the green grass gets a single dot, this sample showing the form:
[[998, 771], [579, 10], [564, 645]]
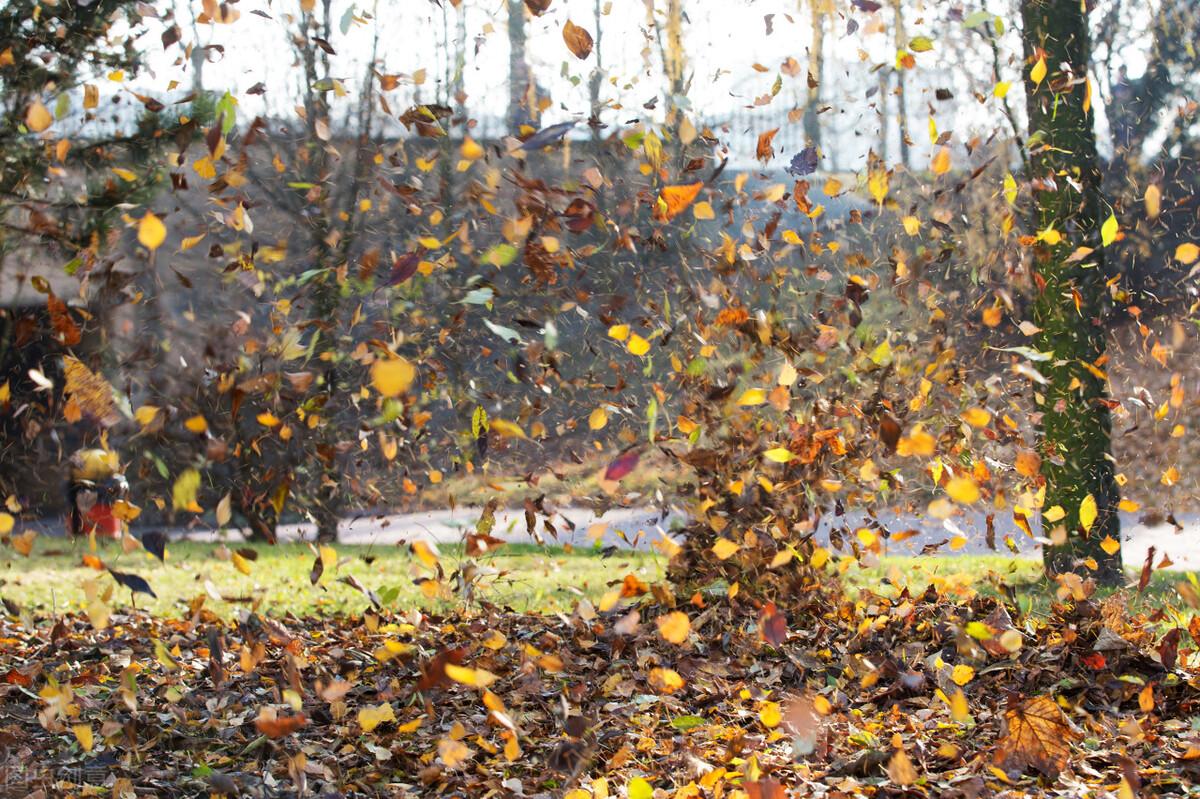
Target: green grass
[[522, 576], [986, 574]]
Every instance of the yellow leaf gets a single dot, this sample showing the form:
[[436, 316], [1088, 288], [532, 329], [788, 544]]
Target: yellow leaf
[[963, 490], [1153, 200], [38, 118], [1108, 231], [191, 241], [6, 523], [770, 715], [1000, 90], [1110, 545], [941, 161], [145, 414], [752, 396], [1038, 73], [476, 678], [1055, 514], [674, 627], [724, 548], [638, 788], [392, 376], [1088, 512], [196, 424], [779, 455], [506, 428], [912, 225], [638, 345], [619, 332], [1187, 252], [183, 492], [976, 417], [426, 553], [665, 681], [598, 419], [958, 707], [1129, 506], [83, 734], [703, 210], [1010, 188], [962, 674], [371, 717], [151, 231], [240, 563], [877, 184]]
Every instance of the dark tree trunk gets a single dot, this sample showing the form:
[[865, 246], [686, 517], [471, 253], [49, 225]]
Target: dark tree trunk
[[1074, 422]]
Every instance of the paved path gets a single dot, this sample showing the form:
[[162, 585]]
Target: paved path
[[640, 528]]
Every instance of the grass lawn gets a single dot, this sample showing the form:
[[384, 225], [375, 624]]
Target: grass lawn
[[524, 577]]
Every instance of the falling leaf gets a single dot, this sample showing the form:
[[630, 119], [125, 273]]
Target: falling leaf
[[184, 491], [83, 734], [724, 549], [1187, 252], [372, 716], [151, 232], [1109, 230], [962, 674], [941, 161], [673, 200], [674, 627], [901, 770], [1038, 73], [1153, 200], [622, 465], [133, 582], [278, 727], [1087, 512], [963, 490], [578, 40], [597, 419], [392, 376], [37, 117]]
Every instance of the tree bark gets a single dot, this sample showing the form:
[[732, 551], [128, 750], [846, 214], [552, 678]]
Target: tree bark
[[901, 41], [1074, 424], [518, 68], [816, 69]]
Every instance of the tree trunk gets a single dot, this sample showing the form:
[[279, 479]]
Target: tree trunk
[[518, 68], [901, 42], [1074, 421], [816, 69], [597, 77]]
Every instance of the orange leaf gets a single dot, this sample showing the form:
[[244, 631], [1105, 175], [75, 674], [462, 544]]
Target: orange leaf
[[672, 200]]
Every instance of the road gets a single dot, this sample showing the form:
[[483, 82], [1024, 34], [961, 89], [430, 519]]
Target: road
[[641, 527]]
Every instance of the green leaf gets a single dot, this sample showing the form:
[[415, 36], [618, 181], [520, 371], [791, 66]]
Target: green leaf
[[688, 722], [500, 255], [920, 44]]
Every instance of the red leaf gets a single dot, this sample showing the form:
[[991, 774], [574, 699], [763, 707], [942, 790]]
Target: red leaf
[[623, 465]]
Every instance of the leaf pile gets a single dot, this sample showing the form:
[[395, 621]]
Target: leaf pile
[[865, 695]]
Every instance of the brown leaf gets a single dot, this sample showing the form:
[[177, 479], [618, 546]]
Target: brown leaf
[[1036, 736], [764, 151], [578, 40], [281, 725]]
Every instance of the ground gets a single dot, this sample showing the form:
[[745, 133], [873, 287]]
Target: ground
[[915, 677]]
